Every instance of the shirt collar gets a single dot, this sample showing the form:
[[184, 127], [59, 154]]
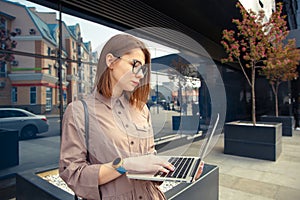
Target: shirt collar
[[110, 102]]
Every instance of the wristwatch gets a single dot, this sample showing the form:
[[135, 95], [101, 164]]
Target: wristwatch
[[118, 165]]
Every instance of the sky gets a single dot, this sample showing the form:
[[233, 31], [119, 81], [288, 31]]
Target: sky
[[268, 6], [88, 30]]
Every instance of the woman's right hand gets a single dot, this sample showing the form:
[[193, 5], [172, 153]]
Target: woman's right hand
[[147, 164]]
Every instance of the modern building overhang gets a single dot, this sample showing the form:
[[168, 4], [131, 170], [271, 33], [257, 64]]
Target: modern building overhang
[[203, 21]]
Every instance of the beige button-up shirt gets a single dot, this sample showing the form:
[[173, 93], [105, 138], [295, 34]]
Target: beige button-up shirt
[[116, 130]]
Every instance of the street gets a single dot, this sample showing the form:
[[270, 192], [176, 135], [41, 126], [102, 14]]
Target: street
[[54, 129]]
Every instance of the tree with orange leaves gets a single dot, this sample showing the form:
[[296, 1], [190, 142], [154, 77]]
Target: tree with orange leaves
[[256, 44]]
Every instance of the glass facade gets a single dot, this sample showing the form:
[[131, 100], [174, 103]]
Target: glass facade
[[33, 82]]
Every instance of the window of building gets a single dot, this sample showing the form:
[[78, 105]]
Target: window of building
[[48, 99], [63, 71], [14, 94], [50, 69], [32, 95], [49, 51], [3, 69], [3, 23], [80, 88]]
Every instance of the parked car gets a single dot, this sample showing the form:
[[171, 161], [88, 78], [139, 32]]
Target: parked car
[[27, 123]]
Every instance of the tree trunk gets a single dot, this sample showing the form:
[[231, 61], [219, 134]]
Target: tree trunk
[[276, 104], [253, 95], [276, 99]]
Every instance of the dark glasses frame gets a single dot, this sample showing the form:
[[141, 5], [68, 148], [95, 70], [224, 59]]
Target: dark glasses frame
[[136, 69]]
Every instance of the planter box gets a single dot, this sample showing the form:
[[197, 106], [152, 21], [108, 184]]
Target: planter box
[[186, 123], [262, 141], [31, 185], [9, 148], [287, 123]]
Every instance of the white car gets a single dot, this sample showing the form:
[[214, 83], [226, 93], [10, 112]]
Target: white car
[[27, 123]]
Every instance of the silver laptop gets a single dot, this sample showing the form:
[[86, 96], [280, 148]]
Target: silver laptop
[[186, 167]]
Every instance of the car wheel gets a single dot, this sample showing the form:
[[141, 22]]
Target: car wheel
[[28, 132]]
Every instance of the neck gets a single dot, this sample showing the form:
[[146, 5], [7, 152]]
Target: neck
[[116, 94]]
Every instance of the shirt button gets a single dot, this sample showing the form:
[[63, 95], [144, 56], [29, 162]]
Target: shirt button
[[119, 112], [126, 125], [132, 142], [140, 197]]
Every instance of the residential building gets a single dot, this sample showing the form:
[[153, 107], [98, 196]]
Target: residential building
[[31, 80]]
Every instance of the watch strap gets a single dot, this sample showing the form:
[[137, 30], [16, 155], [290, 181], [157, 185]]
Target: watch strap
[[121, 170]]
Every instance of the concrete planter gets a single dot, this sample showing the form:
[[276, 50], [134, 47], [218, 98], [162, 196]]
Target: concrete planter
[[262, 141], [30, 185], [287, 123], [9, 148]]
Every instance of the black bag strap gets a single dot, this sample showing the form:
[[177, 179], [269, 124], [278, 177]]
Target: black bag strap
[[86, 126], [86, 130]]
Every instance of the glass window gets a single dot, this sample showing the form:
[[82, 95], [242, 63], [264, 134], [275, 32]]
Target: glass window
[[3, 69], [4, 114], [12, 113], [48, 99], [63, 74], [15, 113], [32, 95], [3, 23], [80, 88], [49, 51], [49, 69], [14, 94]]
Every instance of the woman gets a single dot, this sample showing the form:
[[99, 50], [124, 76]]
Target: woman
[[120, 133]]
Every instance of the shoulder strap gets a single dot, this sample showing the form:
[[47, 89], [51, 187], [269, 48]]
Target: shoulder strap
[[86, 126]]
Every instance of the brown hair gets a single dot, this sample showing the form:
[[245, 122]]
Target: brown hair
[[119, 45]]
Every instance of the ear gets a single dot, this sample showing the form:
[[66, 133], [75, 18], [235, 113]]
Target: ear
[[109, 60]]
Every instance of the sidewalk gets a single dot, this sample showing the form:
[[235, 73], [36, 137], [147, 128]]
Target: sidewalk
[[244, 178]]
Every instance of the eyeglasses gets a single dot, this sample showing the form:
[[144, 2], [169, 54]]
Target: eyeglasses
[[137, 66]]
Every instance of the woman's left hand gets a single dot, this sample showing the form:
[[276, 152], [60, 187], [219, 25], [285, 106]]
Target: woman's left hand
[[201, 165]]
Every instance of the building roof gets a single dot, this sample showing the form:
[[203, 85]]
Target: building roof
[[87, 45], [7, 15], [72, 29], [42, 26], [53, 28]]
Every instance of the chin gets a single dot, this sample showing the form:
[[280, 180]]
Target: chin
[[130, 89]]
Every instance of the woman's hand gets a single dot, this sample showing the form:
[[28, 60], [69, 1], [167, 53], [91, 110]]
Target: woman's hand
[[147, 164], [201, 165]]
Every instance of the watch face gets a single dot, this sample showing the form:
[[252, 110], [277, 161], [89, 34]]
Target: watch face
[[117, 161]]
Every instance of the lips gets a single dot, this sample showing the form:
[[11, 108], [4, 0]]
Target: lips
[[136, 83]]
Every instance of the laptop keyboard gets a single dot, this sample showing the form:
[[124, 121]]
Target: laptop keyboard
[[182, 166]]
